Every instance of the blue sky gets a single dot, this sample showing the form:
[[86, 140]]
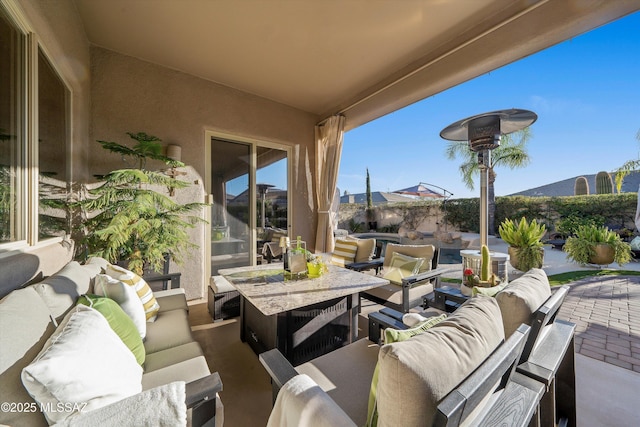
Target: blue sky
[[585, 91]]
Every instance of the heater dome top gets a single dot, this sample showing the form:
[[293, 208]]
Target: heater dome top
[[491, 124]]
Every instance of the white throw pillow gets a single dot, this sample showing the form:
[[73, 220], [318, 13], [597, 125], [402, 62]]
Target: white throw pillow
[[83, 366], [126, 297]]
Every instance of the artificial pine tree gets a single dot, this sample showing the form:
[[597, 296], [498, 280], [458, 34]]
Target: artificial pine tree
[[130, 218]]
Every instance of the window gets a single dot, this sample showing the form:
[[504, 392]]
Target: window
[[34, 178], [12, 138], [52, 152]]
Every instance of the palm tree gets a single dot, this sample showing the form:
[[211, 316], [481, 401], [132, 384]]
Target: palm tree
[[628, 167], [512, 152]]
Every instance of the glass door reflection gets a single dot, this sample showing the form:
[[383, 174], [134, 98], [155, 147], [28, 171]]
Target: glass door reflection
[[246, 206], [230, 212]]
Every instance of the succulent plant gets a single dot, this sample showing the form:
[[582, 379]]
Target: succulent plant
[[581, 186], [604, 183]]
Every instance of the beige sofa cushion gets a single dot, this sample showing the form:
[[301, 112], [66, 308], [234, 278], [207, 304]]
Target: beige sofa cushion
[[416, 251], [416, 374], [162, 359], [61, 290], [366, 249], [521, 298], [26, 326], [170, 329], [345, 375], [393, 293], [173, 301], [187, 371]]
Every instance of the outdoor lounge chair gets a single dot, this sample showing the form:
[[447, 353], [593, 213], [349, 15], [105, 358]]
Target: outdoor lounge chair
[[548, 355], [406, 292], [480, 381]]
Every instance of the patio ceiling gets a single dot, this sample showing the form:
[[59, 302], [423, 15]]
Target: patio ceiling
[[362, 58]]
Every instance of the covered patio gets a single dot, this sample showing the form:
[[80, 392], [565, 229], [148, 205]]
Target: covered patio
[[273, 75]]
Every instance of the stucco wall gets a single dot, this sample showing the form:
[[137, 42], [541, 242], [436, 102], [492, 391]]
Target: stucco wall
[[131, 95]]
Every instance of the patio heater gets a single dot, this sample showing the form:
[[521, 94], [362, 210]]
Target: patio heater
[[483, 132], [262, 190]]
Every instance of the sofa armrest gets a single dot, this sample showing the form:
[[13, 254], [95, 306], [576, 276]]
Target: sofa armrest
[[366, 265], [301, 399], [174, 278], [410, 281], [169, 292], [201, 396], [379, 321], [202, 390], [278, 368], [422, 277]]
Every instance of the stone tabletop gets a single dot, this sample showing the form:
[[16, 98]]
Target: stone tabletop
[[265, 287]]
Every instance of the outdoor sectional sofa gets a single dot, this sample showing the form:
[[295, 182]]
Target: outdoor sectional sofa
[[494, 361], [175, 375]]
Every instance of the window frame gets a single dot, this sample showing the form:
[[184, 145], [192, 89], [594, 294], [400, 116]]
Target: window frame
[[27, 172]]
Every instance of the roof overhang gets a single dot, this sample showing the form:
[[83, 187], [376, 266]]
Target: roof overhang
[[360, 58]]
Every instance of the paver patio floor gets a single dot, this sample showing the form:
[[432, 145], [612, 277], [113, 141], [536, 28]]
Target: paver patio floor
[[606, 311]]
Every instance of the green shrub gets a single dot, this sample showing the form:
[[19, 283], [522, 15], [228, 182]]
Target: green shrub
[[582, 247]]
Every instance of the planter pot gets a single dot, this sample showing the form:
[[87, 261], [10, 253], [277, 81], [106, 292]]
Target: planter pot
[[514, 259], [466, 290], [604, 255], [315, 270]]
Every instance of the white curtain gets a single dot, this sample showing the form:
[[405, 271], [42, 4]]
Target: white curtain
[[328, 151]]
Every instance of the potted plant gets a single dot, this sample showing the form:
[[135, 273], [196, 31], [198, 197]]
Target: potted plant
[[131, 217], [525, 244], [597, 245], [315, 265]]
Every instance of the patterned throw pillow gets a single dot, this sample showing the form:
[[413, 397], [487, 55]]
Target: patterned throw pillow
[[402, 266], [151, 306], [344, 252]]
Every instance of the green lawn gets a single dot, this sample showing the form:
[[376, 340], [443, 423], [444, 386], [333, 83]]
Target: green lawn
[[572, 276]]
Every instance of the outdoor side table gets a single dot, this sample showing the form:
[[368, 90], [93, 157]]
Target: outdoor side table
[[446, 298]]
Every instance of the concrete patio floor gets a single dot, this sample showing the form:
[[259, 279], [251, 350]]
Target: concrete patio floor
[[606, 311]]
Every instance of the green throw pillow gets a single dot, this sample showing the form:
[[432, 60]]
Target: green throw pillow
[[489, 292], [391, 336], [402, 266], [119, 321]]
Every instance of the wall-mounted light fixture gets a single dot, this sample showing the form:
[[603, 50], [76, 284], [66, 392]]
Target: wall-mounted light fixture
[[174, 152]]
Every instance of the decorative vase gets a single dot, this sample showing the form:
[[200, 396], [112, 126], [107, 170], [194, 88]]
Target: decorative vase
[[315, 270], [604, 254]]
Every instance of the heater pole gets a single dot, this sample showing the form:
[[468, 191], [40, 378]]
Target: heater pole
[[484, 159]]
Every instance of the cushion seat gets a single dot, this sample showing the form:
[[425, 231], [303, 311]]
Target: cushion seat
[[345, 375], [170, 329], [176, 301], [187, 371], [163, 358], [392, 293]]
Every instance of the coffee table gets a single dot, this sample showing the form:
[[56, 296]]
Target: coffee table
[[446, 298], [302, 318]]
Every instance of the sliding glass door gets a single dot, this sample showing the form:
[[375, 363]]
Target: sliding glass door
[[248, 184]]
